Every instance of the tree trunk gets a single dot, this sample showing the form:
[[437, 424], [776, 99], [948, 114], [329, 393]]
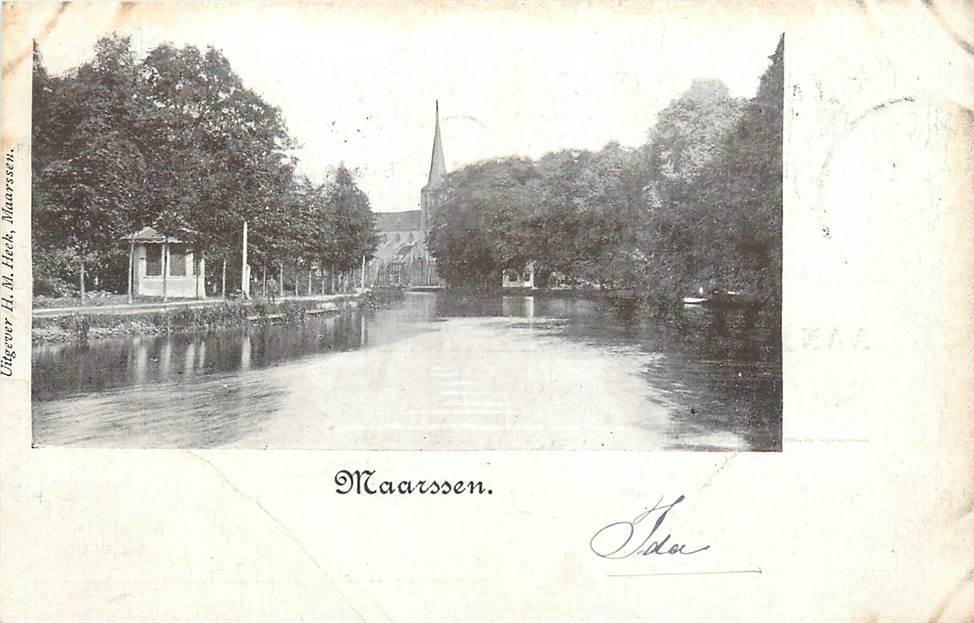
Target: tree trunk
[[223, 281], [310, 277], [331, 275], [281, 287], [322, 264], [81, 279], [263, 288]]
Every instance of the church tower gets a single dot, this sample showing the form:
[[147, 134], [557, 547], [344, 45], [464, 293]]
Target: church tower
[[429, 197]]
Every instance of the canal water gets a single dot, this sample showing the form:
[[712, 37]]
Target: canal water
[[436, 372]]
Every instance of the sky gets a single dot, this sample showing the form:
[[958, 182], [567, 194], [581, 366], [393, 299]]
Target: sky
[[357, 84]]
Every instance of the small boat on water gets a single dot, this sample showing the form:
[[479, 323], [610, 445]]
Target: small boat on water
[[727, 298]]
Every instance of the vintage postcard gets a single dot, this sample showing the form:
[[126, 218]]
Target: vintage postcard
[[468, 311]]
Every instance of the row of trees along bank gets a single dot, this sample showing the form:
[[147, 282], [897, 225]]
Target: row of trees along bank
[[698, 205], [176, 141]]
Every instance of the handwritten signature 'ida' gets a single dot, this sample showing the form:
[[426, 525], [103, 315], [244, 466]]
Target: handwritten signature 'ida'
[[622, 539]]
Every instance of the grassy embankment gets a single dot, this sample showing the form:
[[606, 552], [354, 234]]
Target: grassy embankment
[[230, 314]]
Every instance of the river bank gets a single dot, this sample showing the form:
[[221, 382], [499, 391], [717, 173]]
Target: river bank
[[97, 322], [629, 303]]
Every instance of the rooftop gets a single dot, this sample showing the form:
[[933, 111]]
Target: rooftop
[[397, 221], [150, 234]]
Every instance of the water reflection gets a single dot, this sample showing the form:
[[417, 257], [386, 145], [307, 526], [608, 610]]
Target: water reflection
[[438, 371], [520, 306]]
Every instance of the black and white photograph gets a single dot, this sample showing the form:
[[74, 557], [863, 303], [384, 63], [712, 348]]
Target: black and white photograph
[[363, 238], [490, 311]]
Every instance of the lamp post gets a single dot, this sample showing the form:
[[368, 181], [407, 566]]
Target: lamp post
[[131, 264], [244, 273]]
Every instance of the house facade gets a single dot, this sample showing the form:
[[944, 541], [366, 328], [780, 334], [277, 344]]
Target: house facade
[[400, 258], [164, 266]]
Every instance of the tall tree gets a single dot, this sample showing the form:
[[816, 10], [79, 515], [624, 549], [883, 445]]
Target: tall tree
[[91, 180], [742, 192], [353, 225], [177, 141], [480, 228], [223, 154]]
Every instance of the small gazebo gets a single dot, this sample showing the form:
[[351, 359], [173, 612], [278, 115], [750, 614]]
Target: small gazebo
[[512, 278], [162, 265]]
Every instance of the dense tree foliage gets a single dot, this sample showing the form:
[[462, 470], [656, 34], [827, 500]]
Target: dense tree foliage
[[484, 231], [174, 140], [699, 205], [348, 209]]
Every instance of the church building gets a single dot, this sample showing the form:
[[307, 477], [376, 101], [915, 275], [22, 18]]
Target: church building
[[402, 258]]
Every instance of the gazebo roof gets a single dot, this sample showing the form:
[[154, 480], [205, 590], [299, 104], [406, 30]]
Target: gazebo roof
[[151, 235]]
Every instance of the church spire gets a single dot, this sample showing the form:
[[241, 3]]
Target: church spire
[[437, 162]]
